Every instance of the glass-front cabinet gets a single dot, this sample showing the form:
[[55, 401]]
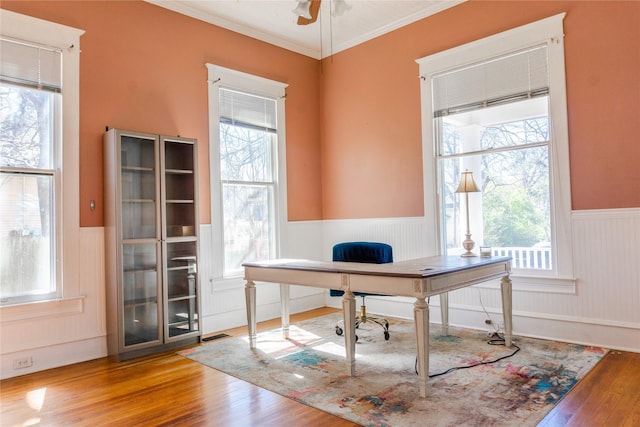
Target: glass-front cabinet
[[151, 242]]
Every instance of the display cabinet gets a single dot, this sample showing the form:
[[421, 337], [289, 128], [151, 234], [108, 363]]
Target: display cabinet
[[151, 242]]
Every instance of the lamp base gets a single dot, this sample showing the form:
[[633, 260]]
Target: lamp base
[[468, 244]]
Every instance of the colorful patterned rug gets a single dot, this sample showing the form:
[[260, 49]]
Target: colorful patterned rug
[[310, 367]]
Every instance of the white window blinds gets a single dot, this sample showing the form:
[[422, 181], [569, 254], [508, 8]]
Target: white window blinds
[[520, 75], [30, 65], [241, 109]]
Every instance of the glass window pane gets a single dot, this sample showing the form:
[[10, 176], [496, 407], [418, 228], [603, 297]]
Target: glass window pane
[[247, 224], [512, 212], [502, 126], [26, 235], [26, 127], [245, 154]]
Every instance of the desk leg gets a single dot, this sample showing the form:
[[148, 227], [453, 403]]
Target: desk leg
[[444, 312], [507, 311], [349, 317], [284, 306], [250, 296], [421, 317]]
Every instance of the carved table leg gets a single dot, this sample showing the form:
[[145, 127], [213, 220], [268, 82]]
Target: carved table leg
[[421, 317], [507, 311], [444, 312], [349, 316], [250, 296], [284, 307]]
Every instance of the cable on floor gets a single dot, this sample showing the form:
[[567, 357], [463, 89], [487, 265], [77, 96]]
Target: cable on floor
[[495, 339]]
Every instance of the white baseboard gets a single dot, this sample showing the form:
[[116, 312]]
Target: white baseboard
[[613, 335], [53, 356], [235, 318]]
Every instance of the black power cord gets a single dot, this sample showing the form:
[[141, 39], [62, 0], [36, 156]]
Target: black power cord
[[495, 339]]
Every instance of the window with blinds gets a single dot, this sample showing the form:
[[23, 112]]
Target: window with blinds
[[248, 140], [30, 91], [511, 78], [30, 65], [492, 118]]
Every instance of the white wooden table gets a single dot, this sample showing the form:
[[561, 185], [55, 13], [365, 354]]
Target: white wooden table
[[418, 278]]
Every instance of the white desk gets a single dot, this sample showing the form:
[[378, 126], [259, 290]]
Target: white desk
[[419, 278]]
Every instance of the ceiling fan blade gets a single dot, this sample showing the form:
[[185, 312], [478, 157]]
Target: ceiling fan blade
[[313, 10]]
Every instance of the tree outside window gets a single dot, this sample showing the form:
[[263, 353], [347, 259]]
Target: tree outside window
[[507, 149], [27, 180]]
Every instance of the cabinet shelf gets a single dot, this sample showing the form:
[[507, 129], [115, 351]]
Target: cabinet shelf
[[136, 169], [138, 201], [181, 298], [139, 270], [179, 171], [140, 301], [182, 267]]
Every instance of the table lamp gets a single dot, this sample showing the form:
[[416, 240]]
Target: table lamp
[[467, 185]]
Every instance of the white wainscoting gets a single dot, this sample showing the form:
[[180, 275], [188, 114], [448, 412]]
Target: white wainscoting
[[58, 335], [604, 310], [223, 300]]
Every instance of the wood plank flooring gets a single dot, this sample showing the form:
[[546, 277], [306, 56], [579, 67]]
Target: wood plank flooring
[[169, 390]]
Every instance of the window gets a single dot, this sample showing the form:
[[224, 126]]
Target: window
[[497, 107], [247, 115], [35, 136]]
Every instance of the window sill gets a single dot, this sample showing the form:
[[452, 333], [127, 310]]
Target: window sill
[[539, 284], [39, 309]]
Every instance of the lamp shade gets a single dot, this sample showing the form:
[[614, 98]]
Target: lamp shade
[[467, 184]]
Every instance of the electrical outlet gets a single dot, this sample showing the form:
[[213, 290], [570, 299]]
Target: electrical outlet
[[23, 362]]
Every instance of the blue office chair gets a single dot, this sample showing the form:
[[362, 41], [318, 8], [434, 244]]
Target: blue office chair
[[369, 252]]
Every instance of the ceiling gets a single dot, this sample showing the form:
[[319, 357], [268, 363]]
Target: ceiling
[[274, 22]]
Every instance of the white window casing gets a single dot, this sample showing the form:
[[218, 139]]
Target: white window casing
[[220, 77], [67, 197], [548, 32]]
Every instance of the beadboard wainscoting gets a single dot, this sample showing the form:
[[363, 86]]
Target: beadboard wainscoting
[[223, 299], [604, 308], [59, 332]]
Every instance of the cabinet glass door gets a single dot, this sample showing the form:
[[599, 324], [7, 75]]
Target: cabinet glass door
[[181, 281], [179, 188], [138, 182], [140, 287]]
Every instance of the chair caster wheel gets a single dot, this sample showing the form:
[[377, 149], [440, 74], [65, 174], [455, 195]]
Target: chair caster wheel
[[386, 336], [339, 330]]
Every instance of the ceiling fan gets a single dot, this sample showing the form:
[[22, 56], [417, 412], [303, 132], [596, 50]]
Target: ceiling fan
[[307, 10]]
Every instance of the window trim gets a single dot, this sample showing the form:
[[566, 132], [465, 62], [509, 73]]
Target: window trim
[[548, 31], [67, 192], [232, 79]]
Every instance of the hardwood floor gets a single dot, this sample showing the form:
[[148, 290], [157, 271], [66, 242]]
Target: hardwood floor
[[167, 389]]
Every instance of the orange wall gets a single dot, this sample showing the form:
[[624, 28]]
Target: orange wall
[[143, 68], [371, 135], [353, 124]]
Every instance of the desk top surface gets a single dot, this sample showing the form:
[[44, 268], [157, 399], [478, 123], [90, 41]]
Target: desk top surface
[[416, 268]]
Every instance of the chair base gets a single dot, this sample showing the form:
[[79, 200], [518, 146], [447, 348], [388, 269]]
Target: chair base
[[363, 318]]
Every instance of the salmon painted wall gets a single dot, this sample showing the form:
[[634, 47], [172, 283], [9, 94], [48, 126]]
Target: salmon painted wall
[[354, 145], [371, 132], [143, 68]]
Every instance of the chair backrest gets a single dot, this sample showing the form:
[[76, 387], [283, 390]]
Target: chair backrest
[[368, 252]]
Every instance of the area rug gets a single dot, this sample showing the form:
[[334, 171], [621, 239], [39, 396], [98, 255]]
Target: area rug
[[310, 367]]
